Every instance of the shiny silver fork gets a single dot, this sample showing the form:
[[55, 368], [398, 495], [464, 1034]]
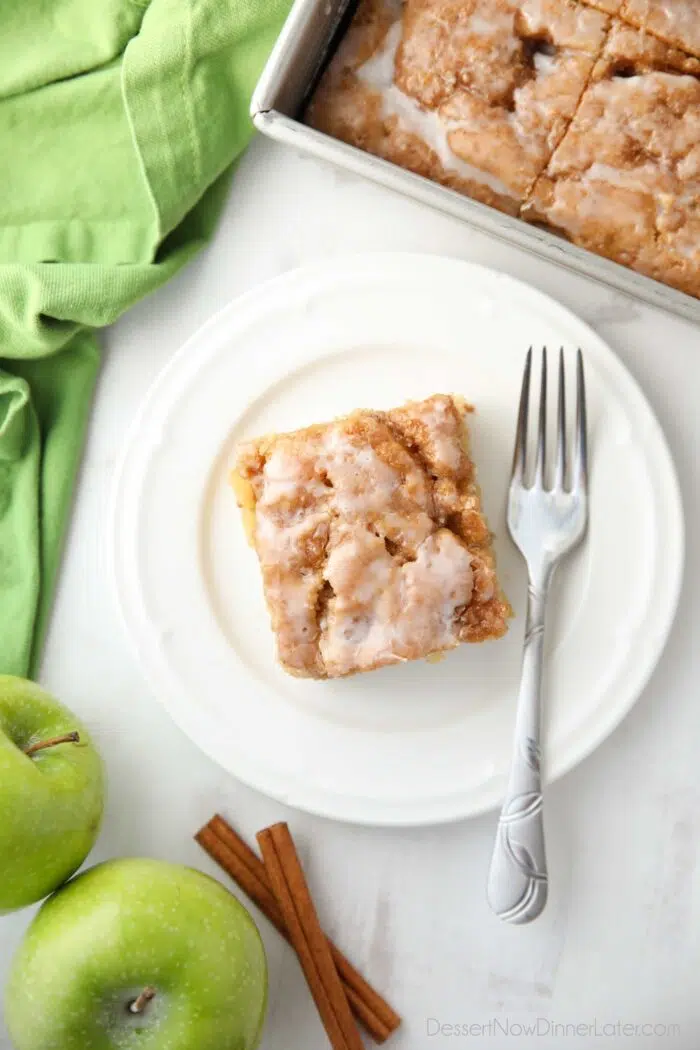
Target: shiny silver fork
[[545, 524]]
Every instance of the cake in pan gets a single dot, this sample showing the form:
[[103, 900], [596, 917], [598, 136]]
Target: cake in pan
[[625, 180], [580, 116]]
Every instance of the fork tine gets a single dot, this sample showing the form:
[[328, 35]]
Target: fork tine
[[541, 464], [560, 481], [581, 463], [520, 450]]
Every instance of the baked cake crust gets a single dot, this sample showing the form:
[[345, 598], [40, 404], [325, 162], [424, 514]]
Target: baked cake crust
[[625, 180], [611, 7], [676, 22], [371, 539]]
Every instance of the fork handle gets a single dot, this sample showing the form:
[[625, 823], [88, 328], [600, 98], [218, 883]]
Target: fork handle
[[517, 883]]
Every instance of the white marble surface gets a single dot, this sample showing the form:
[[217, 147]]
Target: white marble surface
[[620, 941]]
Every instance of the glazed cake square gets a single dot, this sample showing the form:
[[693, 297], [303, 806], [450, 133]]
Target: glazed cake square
[[676, 22], [474, 94], [625, 180], [371, 539]]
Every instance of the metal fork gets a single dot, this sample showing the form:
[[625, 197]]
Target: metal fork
[[545, 522]]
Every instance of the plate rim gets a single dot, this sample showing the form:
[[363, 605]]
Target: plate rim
[[320, 802]]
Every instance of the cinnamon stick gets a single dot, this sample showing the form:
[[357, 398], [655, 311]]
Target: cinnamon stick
[[308, 939], [231, 853], [242, 864]]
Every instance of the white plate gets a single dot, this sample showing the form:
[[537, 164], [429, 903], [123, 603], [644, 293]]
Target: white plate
[[418, 743]]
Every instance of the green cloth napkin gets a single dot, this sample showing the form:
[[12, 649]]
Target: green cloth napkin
[[119, 123]]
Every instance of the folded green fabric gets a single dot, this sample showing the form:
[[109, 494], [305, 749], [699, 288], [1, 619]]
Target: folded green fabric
[[119, 123]]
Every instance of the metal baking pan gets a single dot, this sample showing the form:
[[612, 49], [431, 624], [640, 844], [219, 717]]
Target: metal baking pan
[[303, 49]]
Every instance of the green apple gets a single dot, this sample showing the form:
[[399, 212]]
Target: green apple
[[51, 793], [143, 954]]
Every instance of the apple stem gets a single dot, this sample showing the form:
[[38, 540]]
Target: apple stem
[[67, 738], [139, 1004]]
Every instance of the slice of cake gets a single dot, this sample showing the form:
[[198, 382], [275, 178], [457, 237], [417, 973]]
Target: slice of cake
[[372, 543]]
